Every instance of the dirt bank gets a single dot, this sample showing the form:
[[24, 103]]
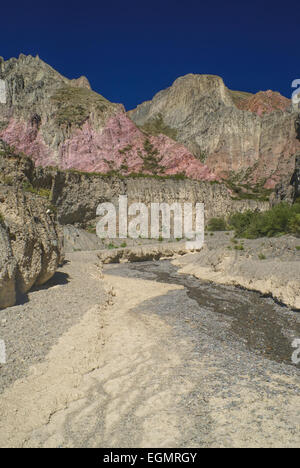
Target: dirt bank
[[270, 266]]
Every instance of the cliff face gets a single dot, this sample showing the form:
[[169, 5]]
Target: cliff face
[[75, 196], [30, 238], [288, 190], [63, 123], [250, 136]]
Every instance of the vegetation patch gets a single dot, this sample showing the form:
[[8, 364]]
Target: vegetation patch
[[202, 157], [151, 158], [157, 126], [281, 219], [74, 105], [217, 224], [42, 192], [91, 229], [112, 246], [245, 191]]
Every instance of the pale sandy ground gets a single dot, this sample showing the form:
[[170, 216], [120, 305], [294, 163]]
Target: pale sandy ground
[[124, 377]]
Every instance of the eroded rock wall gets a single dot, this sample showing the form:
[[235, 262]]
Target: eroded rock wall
[[31, 243]]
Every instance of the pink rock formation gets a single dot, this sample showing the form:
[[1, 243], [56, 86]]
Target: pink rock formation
[[264, 102], [119, 147], [63, 123]]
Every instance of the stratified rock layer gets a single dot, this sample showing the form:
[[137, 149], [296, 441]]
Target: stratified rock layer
[[63, 123], [76, 195], [251, 137]]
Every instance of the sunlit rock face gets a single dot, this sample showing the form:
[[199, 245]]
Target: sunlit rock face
[[236, 134], [264, 102], [63, 123]]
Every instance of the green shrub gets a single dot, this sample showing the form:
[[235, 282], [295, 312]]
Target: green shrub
[[28, 187], [91, 229], [294, 224], [281, 219], [73, 105], [156, 126], [7, 180], [297, 247], [217, 224], [262, 256]]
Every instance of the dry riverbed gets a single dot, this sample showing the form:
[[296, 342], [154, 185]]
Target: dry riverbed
[[147, 357], [268, 265]]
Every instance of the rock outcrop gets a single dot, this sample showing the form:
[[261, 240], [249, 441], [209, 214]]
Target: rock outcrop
[[7, 270], [30, 238], [250, 137], [63, 123], [76, 195], [264, 102], [288, 190]]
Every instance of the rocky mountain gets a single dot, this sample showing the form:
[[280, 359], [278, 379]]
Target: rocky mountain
[[63, 123], [248, 139], [197, 128]]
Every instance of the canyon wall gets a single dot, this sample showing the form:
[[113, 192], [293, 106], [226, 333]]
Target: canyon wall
[[74, 196]]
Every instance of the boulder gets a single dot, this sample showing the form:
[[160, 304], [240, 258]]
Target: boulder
[[8, 266], [30, 240]]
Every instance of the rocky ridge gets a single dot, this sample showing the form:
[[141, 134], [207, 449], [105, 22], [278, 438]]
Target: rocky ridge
[[249, 137], [61, 122]]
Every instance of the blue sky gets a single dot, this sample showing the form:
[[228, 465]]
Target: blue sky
[[130, 50]]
